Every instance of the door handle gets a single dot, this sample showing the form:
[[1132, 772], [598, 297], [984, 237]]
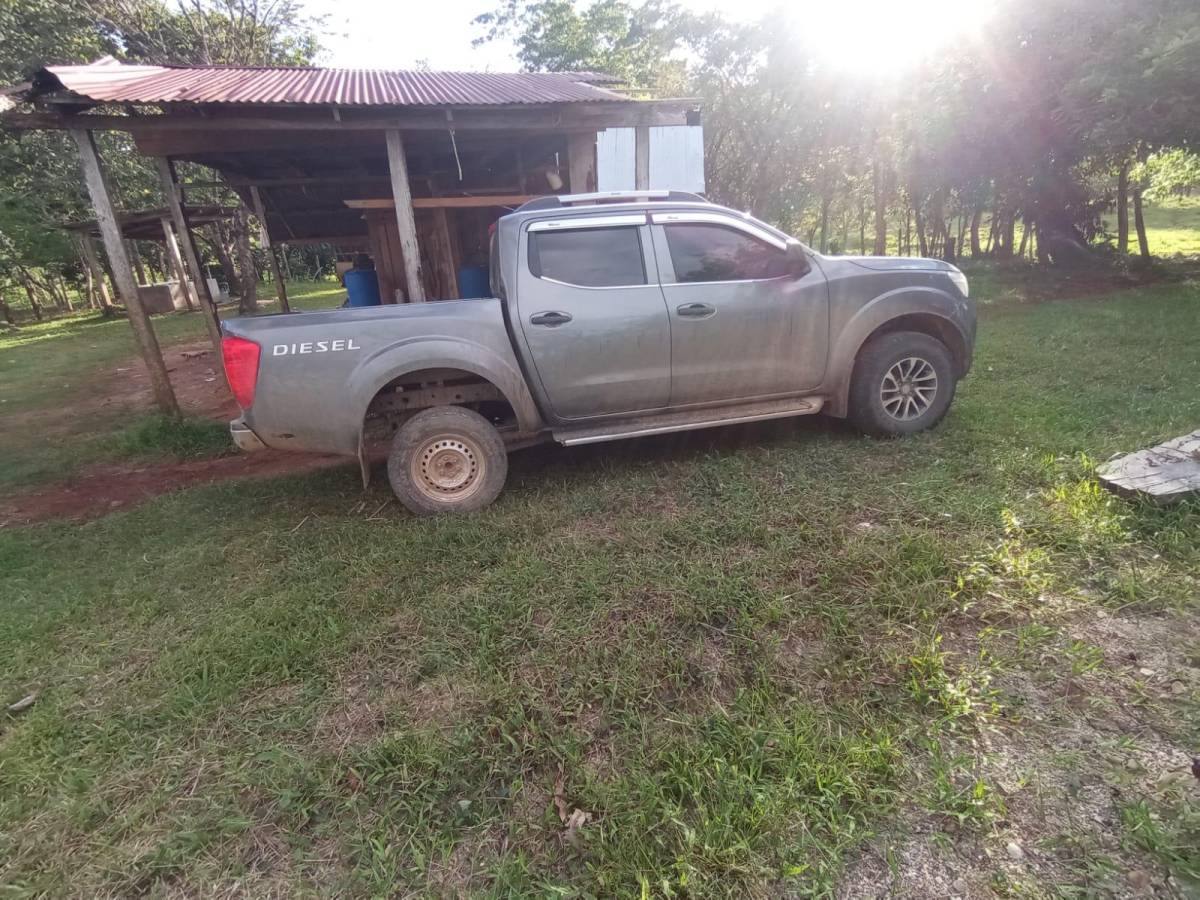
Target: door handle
[[696, 310], [550, 319]]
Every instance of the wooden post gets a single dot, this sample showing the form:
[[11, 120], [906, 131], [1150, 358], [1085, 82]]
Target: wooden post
[[110, 232], [260, 212], [170, 186], [176, 262], [445, 254], [641, 157], [581, 161], [406, 222], [99, 283]]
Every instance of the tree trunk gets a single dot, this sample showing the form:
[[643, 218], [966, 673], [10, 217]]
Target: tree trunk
[[1140, 223], [1123, 208], [881, 213], [136, 258], [247, 277], [27, 282], [825, 201], [61, 287], [922, 240], [862, 227], [6, 310], [221, 249], [1024, 238], [976, 221]]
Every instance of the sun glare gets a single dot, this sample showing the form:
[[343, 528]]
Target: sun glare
[[880, 35]]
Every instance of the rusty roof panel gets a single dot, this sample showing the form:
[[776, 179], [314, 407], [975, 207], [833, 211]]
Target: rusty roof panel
[[109, 81]]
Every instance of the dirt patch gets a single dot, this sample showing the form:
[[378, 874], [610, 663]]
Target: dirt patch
[[195, 375], [101, 489]]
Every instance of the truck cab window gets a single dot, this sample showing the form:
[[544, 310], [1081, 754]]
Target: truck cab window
[[589, 257], [703, 252]]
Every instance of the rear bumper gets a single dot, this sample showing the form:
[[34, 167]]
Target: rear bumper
[[244, 437]]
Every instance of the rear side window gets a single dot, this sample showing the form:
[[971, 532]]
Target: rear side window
[[590, 257], [717, 253]]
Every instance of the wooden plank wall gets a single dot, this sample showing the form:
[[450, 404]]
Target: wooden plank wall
[[439, 246]]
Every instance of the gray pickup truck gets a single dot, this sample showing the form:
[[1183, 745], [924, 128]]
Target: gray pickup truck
[[612, 316]]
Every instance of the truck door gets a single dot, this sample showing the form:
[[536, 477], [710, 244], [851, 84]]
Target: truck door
[[743, 324], [592, 314]]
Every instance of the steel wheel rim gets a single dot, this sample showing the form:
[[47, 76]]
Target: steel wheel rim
[[448, 468], [908, 389]]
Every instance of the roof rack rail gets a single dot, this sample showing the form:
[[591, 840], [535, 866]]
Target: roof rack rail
[[557, 201]]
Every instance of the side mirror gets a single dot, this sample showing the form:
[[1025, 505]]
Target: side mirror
[[798, 260]]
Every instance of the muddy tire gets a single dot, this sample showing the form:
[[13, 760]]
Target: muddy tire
[[903, 383], [447, 460]]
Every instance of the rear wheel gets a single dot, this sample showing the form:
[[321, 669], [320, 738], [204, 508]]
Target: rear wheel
[[447, 460], [903, 383]]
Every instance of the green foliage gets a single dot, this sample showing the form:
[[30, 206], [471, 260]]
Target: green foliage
[[1169, 174], [1027, 126], [41, 185], [630, 41]]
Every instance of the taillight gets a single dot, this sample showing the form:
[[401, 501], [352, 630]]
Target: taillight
[[241, 368]]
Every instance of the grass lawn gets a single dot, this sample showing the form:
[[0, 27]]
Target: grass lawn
[[764, 661], [44, 361], [1172, 227]]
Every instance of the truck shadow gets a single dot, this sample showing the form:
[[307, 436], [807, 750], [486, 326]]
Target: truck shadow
[[681, 446]]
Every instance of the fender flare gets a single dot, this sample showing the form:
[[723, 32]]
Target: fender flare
[[887, 307], [416, 354]]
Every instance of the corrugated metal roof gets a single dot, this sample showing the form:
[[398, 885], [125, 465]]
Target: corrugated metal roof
[[109, 81]]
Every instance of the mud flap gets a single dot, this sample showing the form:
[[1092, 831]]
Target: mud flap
[[364, 465]]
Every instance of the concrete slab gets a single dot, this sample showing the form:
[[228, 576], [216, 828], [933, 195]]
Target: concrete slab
[[1162, 474]]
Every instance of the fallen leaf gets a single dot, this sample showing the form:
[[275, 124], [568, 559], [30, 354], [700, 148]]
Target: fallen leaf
[[560, 800], [23, 704], [576, 821]]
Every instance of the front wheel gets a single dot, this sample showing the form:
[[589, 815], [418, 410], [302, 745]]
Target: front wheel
[[903, 383], [447, 460]]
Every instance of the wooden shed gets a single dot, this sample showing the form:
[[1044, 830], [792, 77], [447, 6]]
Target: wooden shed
[[412, 167]]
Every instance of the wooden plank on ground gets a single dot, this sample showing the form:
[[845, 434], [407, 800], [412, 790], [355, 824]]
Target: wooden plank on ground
[[1162, 474]]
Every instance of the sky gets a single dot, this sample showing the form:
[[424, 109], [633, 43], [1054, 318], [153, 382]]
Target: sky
[[401, 34]]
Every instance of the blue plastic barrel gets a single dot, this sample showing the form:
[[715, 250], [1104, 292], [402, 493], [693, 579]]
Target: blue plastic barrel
[[363, 287], [473, 282]]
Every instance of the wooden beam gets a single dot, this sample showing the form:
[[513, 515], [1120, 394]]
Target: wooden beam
[[176, 261], [264, 236], [110, 232], [524, 117], [444, 202], [641, 158], [170, 186], [405, 222], [581, 160]]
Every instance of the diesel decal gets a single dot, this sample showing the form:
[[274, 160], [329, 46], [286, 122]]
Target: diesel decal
[[315, 347]]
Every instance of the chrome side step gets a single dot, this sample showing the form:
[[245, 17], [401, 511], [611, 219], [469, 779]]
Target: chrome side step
[[689, 420]]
